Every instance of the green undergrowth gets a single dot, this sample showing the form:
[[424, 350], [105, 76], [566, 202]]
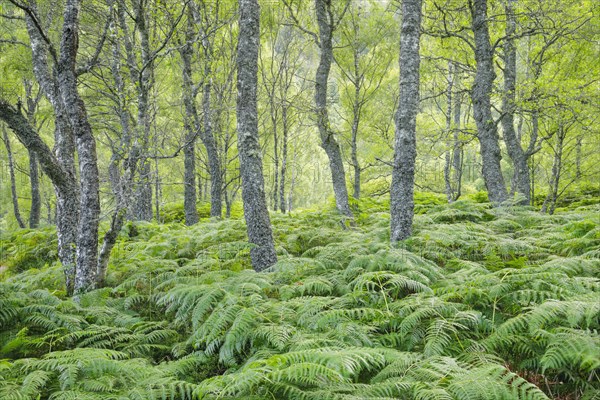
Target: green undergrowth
[[480, 303]]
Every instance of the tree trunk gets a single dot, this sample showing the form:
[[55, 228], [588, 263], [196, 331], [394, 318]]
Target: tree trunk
[[157, 193], [67, 195], [275, 157], [253, 193], [354, 141], [284, 155], [141, 77], [454, 156], [212, 152], [121, 187], [228, 204], [487, 132], [457, 153], [191, 125], [578, 146], [121, 184], [448, 159], [290, 201], [208, 138], [64, 184], [142, 210], [550, 202], [109, 241], [13, 183], [189, 180], [513, 145], [87, 233], [328, 141], [36, 202], [405, 148], [458, 166], [448, 177]]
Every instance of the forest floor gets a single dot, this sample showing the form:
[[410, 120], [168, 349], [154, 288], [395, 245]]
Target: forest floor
[[480, 303]]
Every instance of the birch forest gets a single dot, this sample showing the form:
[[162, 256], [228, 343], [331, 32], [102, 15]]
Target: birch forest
[[299, 199]]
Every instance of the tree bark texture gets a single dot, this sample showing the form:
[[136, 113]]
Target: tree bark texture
[[328, 141], [67, 200], [13, 183], [191, 125], [87, 233], [284, 156], [513, 144], [405, 147], [253, 193], [212, 152], [34, 180], [457, 151], [36, 201], [487, 132], [453, 156], [215, 168], [447, 156], [64, 184], [354, 143], [550, 201]]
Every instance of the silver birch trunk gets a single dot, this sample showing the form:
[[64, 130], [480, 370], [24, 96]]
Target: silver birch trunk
[[513, 144], [405, 147], [328, 140], [487, 132], [253, 193]]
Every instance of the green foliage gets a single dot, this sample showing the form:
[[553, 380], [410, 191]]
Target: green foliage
[[174, 212], [24, 249], [478, 304]]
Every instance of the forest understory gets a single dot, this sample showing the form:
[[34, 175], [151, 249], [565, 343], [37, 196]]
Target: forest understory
[[299, 200], [480, 303]]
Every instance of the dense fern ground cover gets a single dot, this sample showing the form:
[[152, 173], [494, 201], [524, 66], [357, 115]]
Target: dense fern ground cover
[[478, 304]]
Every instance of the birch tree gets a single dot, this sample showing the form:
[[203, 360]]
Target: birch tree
[[253, 192], [405, 145]]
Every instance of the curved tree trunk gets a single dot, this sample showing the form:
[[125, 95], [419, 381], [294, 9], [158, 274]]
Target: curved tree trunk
[[253, 188], [487, 132], [328, 141], [67, 197], [405, 148]]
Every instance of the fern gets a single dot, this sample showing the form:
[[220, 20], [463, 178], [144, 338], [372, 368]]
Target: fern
[[478, 304]]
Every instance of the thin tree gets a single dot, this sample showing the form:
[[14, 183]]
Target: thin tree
[[13, 182], [34, 179], [513, 144], [453, 155], [191, 121]]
